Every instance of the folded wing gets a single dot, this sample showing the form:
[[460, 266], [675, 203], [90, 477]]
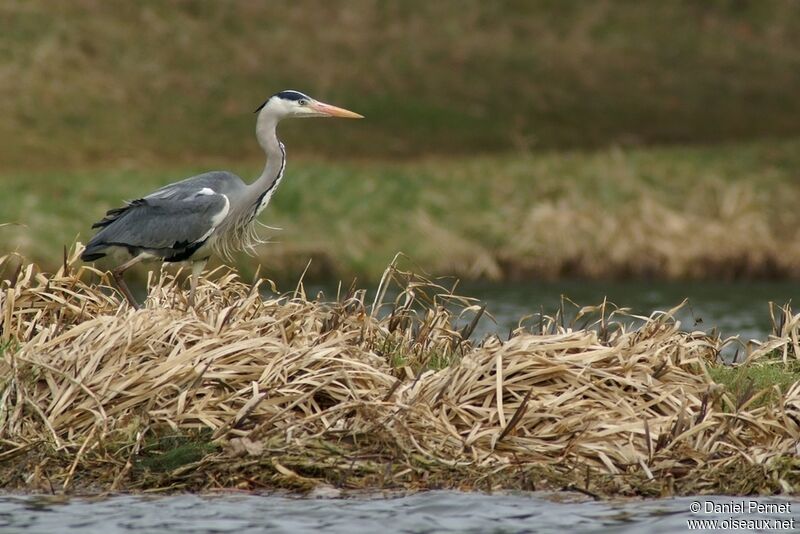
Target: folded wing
[[172, 228]]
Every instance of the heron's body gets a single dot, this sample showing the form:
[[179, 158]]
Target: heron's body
[[214, 212], [180, 222]]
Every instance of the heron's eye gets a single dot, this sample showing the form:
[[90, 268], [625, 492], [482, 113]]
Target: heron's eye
[[303, 102]]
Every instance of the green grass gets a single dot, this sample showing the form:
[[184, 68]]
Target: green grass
[[84, 81], [720, 211], [169, 452], [398, 355], [743, 382]]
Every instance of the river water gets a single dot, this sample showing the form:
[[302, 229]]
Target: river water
[[431, 512], [735, 309]]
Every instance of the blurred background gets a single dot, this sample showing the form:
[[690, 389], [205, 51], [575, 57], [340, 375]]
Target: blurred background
[[505, 141]]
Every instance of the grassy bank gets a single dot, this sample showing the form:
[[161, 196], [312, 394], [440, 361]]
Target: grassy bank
[[87, 81], [294, 393], [723, 212]]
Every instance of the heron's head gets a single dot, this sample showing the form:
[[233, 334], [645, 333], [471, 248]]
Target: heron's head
[[296, 104]]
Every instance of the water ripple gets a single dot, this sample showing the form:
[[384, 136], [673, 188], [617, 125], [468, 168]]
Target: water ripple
[[432, 512]]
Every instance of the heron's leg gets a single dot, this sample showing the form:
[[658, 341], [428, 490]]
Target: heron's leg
[[120, 280], [197, 268]]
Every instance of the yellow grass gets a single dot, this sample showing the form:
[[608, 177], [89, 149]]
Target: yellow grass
[[248, 392]]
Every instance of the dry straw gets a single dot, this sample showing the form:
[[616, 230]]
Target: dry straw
[[293, 392]]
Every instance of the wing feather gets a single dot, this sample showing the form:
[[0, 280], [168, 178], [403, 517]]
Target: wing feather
[[158, 224], [172, 221]]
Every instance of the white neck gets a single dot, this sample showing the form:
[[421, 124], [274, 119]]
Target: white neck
[[240, 233], [261, 190]]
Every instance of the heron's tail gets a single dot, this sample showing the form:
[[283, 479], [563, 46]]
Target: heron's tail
[[93, 251]]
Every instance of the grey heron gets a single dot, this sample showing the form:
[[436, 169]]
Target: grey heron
[[211, 213]]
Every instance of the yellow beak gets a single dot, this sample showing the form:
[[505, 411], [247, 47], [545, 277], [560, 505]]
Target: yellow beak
[[333, 111]]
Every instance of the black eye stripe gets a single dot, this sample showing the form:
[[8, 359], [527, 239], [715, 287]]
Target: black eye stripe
[[292, 95]]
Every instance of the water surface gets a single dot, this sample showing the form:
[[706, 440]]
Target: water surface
[[734, 308], [730, 309], [431, 512]]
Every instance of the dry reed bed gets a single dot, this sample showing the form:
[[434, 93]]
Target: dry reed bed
[[291, 392]]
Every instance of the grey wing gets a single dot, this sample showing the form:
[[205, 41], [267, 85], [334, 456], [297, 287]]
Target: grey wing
[[222, 182], [171, 228]]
